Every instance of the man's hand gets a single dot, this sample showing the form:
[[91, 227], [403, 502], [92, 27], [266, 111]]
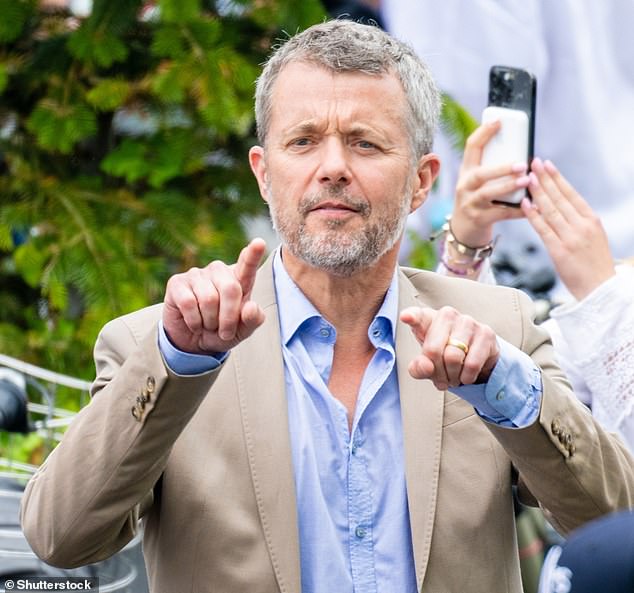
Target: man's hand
[[455, 348], [208, 310]]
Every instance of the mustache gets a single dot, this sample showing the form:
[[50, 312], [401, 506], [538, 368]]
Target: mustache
[[311, 201]]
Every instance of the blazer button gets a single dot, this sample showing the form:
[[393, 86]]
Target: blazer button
[[555, 427], [567, 439], [136, 413], [140, 402], [150, 384]]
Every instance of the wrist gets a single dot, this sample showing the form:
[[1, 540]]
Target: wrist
[[456, 263], [471, 234], [459, 258], [581, 286]]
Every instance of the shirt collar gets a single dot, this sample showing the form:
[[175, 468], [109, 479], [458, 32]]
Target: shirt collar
[[294, 308]]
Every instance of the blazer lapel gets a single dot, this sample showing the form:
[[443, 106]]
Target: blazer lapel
[[422, 412], [262, 393]]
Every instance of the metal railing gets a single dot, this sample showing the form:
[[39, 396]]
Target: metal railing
[[124, 572]]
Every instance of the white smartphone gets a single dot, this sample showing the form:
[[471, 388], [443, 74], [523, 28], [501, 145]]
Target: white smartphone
[[512, 98], [509, 145]]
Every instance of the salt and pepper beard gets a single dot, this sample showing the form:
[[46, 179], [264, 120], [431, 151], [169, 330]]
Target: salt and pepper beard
[[340, 252]]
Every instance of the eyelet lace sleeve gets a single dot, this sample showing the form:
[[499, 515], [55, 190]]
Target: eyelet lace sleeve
[[597, 346]]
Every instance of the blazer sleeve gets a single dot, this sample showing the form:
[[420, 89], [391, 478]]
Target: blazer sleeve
[[570, 464], [137, 411]]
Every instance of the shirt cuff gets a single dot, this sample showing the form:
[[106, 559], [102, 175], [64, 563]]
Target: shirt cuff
[[186, 363], [512, 396]]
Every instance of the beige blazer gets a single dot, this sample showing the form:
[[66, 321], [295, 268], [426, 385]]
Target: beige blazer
[[205, 460]]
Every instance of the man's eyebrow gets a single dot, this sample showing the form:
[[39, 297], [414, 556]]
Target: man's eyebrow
[[360, 130], [308, 127]]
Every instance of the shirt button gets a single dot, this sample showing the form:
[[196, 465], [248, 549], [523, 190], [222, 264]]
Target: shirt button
[[355, 446], [324, 331], [376, 332], [500, 395], [360, 532]]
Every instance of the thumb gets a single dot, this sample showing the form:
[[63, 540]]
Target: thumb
[[421, 367]]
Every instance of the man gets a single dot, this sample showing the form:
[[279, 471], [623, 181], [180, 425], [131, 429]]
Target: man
[[311, 425]]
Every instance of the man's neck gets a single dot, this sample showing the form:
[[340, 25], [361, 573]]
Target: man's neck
[[349, 303]]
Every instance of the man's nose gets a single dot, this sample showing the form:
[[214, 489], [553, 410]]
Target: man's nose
[[334, 162]]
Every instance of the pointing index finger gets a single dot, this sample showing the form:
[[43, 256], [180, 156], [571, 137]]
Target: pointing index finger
[[247, 265]]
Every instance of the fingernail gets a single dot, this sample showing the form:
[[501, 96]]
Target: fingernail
[[226, 336], [522, 181], [519, 167], [534, 182], [548, 165], [538, 164]]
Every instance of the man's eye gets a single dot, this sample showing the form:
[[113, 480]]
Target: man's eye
[[366, 145], [301, 142]]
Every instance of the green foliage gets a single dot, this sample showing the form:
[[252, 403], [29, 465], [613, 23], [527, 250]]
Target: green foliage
[[457, 122], [97, 47], [59, 127], [422, 253], [179, 11], [14, 16], [109, 94], [123, 144], [4, 77]]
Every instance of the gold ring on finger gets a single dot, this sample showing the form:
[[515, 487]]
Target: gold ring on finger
[[458, 344]]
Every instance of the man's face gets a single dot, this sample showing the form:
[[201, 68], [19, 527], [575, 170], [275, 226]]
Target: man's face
[[338, 171]]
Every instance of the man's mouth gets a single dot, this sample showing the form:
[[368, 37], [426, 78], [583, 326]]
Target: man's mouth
[[333, 206]]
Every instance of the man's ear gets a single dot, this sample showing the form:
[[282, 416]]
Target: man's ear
[[258, 166], [426, 174]]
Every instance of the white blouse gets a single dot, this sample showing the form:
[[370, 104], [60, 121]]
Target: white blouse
[[594, 342]]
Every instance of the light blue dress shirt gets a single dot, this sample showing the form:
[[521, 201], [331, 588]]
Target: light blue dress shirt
[[352, 510]]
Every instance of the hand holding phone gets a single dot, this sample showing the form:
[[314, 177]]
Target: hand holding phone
[[512, 94]]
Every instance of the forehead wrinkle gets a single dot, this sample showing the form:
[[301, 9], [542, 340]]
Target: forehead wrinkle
[[345, 112]]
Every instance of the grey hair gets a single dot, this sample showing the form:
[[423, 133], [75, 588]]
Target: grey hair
[[346, 46]]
